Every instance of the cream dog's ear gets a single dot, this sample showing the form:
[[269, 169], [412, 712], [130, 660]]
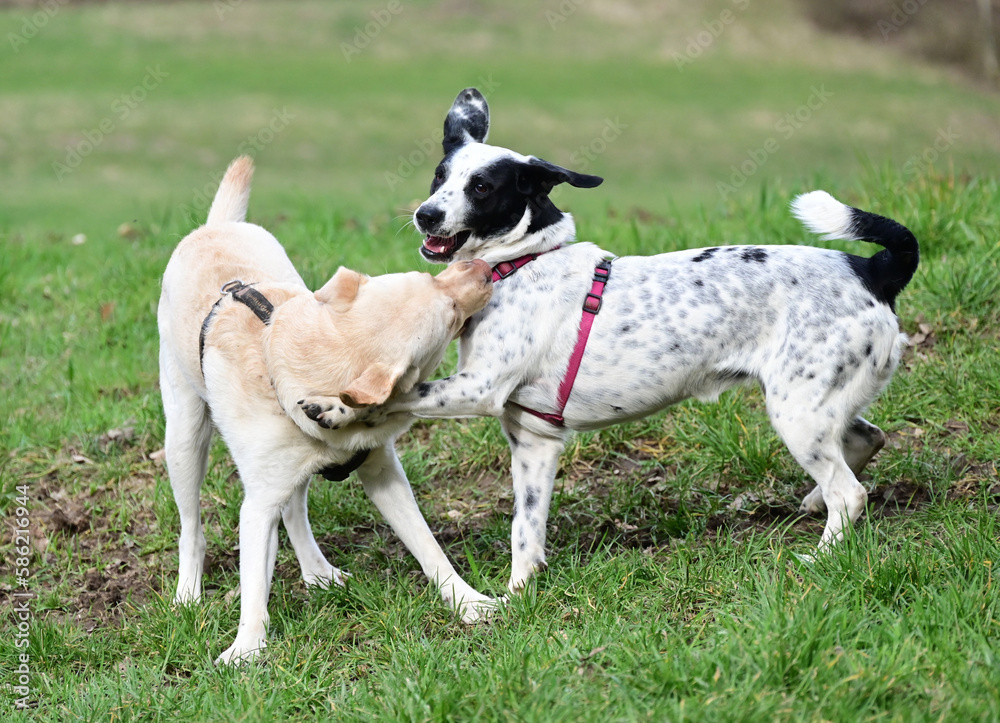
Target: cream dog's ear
[[372, 387], [342, 289]]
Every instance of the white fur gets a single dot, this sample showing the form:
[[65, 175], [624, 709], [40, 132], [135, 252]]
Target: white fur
[[824, 215], [649, 348], [799, 321], [814, 327]]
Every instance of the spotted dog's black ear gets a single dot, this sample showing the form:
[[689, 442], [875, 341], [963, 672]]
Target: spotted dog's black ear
[[538, 176], [467, 121]]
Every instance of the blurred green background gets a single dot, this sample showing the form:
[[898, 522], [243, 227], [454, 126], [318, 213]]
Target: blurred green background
[[128, 113]]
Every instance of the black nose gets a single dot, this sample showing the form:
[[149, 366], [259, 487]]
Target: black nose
[[429, 218]]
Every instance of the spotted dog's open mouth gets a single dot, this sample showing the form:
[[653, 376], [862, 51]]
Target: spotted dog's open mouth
[[438, 248]]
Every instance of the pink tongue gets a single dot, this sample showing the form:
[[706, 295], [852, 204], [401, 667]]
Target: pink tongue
[[437, 244]]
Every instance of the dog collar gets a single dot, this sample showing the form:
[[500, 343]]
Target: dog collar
[[506, 268], [339, 472], [591, 307]]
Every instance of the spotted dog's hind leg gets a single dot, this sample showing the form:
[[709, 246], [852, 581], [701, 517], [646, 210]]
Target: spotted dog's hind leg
[[814, 439], [861, 442], [534, 461]]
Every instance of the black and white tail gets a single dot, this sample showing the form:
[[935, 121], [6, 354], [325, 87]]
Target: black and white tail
[[887, 272], [233, 196]]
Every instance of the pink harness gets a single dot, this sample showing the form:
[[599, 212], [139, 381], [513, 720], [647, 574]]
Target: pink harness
[[591, 306]]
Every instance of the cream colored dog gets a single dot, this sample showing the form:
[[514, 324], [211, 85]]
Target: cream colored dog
[[245, 366]]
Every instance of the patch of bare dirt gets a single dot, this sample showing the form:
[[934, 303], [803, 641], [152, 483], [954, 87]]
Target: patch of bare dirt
[[88, 527]]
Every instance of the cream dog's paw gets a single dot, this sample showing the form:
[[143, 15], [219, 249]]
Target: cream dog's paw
[[328, 412]]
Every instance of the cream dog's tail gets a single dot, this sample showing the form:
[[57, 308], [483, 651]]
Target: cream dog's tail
[[231, 200]]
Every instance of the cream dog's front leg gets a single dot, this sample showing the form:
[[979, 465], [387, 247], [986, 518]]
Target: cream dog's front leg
[[331, 412], [386, 485]]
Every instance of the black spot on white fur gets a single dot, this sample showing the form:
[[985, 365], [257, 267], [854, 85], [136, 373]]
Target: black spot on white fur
[[797, 320], [755, 254]]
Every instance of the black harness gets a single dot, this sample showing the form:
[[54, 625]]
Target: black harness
[[262, 309], [243, 293]]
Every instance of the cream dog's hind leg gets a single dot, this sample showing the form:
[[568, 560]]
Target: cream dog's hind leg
[[187, 440], [316, 571], [386, 485]]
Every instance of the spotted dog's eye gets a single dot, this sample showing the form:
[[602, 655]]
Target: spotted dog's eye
[[439, 175], [481, 188]]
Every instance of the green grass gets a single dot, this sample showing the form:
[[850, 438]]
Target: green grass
[[674, 592]]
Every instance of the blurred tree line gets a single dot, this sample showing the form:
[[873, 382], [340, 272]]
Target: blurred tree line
[[957, 32], [963, 33]]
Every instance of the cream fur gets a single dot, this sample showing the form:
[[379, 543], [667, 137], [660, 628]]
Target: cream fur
[[362, 339]]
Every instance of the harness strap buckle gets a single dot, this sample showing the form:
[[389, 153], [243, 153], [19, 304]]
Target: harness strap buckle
[[504, 269], [251, 298], [246, 295]]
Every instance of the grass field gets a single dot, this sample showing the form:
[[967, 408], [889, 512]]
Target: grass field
[[673, 591]]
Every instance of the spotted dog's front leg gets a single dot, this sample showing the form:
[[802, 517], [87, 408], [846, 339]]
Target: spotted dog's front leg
[[534, 461], [466, 394]]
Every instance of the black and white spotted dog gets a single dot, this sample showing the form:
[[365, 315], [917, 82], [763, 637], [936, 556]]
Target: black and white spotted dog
[[816, 328]]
